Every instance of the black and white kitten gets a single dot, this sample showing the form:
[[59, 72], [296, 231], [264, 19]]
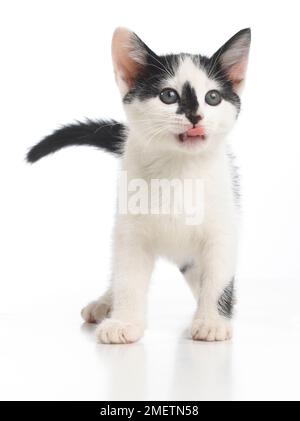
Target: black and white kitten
[[180, 109]]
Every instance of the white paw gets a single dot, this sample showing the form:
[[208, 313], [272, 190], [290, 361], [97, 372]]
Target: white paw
[[95, 311], [211, 330], [112, 331]]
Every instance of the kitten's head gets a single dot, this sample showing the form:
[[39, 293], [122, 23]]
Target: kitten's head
[[180, 102]]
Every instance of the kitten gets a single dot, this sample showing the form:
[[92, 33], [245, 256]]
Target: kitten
[[180, 109]]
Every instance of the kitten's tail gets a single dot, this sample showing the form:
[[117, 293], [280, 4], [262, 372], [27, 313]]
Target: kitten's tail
[[105, 134]]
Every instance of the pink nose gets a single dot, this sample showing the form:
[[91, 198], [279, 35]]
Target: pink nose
[[194, 119]]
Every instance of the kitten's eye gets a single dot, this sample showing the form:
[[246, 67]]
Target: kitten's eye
[[169, 96], [213, 97]]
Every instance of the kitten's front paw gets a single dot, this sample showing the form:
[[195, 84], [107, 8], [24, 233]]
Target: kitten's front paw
[[95, 311], [112, 331], [211, 330]]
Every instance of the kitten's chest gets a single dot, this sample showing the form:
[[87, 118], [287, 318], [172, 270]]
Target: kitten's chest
[[181, 210], [182, 202]]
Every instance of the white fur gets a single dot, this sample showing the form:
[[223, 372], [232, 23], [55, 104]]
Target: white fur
[[152, 151]]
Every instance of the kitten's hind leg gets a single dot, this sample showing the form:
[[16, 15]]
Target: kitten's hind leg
[[98, 310]]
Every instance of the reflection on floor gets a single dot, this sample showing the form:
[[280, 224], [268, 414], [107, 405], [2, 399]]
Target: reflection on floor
[[46, 355]]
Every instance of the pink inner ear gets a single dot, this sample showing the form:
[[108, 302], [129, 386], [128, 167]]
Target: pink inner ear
[[237, 72], [122, 46]]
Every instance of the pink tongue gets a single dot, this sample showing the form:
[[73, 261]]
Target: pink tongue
[[196, 131]]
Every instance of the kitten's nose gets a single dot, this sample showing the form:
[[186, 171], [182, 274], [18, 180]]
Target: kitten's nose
[[194, 119]]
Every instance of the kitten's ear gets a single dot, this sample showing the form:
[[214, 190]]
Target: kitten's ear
[[233, 58], [129, 55]]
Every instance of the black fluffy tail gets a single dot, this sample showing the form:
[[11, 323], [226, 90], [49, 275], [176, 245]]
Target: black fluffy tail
[[108, 135]]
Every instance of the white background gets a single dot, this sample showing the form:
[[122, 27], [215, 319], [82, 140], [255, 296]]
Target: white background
[[57, 216]]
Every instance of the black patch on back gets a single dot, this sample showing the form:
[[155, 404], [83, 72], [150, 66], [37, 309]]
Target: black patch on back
[[188, 103], [226, 301]]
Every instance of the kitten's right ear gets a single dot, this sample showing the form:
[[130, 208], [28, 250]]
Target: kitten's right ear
[[129, 55]]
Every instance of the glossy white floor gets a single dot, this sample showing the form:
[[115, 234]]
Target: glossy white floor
[[47, 353]]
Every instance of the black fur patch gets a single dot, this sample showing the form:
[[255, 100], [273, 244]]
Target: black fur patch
[[226, 301], [158, 68], [188, 103], [213, 69], [105, 134], [150, 82], [184, 268]]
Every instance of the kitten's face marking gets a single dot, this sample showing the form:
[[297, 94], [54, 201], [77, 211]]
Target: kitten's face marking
[[169, 121], [182, 102], [188, 103]]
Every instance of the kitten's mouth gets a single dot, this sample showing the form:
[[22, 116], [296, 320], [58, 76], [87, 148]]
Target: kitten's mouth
[[194, 135]]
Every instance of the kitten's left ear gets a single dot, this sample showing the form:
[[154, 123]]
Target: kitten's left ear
[[233, 58], [129, 55]]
